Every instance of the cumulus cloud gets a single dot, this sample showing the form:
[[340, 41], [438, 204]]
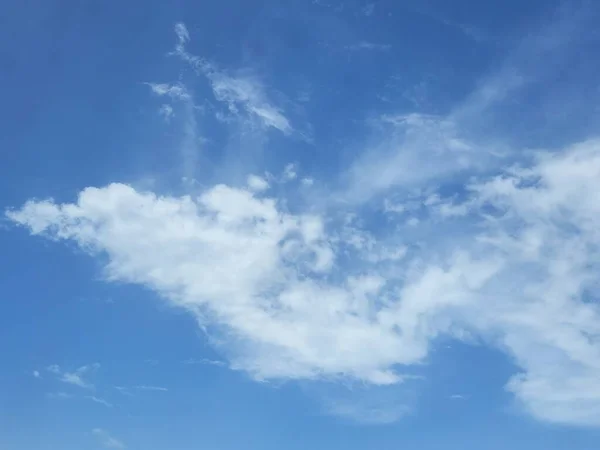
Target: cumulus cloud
[[279, 291]]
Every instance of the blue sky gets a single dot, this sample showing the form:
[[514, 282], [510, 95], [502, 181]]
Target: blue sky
[[360, 224]]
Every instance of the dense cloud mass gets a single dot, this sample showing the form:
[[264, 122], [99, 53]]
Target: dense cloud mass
[[514, 261]]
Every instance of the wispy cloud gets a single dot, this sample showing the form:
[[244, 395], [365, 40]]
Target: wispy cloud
[[59, 395], [36, 374], [368, 9], [166, 111], [470, 31], [417, 149], [128, 390], [75, 378], [107, 440], [100, 401], [205, 361], [151, 388], [366, 45], [55, 369], [182, 33], [182, 105], [175, 91], [123, 390], [376, 415], [411, 150], [367, 405], [244, 95]]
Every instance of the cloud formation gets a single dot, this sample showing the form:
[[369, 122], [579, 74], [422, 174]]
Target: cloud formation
[[279, 291], [100, 401], [510, 256], [151, 388], [107, 440], [242, 93], [75, 378]]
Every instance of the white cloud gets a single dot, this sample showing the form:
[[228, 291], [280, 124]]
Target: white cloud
[[36, 374], [151, 388], [247, 93], [244, 95], [127, 390], [367, 405], [308, 296], [75, 378], [290, 172], [182, 33], [166, 111], [123, 390], [186, 109], [546, 224], [413, 222], [100, 401], [365, 45], [413, 150], [107, 440], [174, 91], [368, 9], [257, 184], [368, 415], [210, 362], [264, 265], [55, 369], [284, 303]]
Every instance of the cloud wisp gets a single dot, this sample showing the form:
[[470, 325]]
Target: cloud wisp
[[75, 378], [107, 440], [151, 388], [99, 400], [204, 361], [243, 94]]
